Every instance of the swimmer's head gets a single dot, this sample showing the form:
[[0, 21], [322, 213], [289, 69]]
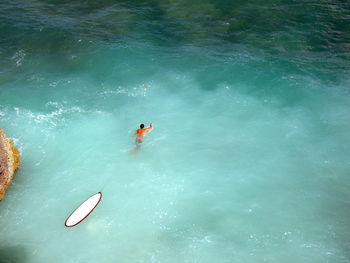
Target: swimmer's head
[[142, 126]]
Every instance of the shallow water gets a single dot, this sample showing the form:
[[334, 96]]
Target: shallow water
[[248, 160]]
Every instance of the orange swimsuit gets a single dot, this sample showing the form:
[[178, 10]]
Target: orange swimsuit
[[140, 132]]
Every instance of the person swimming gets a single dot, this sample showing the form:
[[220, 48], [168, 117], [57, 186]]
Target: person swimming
[[139, 134]]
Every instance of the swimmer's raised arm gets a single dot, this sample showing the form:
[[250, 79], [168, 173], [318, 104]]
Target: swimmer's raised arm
[[149, 128]]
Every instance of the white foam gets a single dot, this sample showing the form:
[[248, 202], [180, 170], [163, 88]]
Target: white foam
[[18, 57]]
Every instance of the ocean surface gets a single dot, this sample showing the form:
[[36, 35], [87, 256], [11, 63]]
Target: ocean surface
[[249, 157]]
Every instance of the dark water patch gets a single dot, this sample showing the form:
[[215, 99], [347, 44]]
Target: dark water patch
[[279, 29], [311, 25], [13, 254]]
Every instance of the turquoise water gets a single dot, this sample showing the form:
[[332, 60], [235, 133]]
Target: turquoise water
[[249, 158]]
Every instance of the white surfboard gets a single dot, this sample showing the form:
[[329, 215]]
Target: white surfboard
[[83, 210]]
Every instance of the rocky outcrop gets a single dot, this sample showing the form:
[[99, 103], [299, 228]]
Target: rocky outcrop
[[9, 162]]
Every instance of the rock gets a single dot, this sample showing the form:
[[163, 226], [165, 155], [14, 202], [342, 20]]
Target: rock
[[9, 162]]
